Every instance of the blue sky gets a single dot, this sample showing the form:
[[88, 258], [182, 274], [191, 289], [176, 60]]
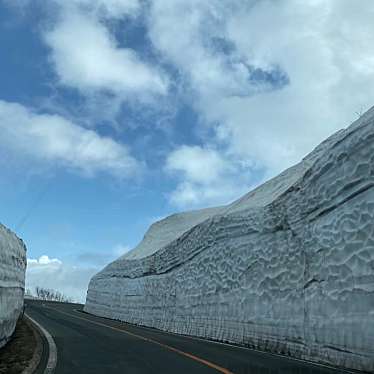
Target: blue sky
[[115, 113]]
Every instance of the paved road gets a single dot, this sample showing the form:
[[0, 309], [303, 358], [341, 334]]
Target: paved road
[[89, 344]]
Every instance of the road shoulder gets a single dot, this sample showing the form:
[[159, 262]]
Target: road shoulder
[[51, 360], [23, 352]]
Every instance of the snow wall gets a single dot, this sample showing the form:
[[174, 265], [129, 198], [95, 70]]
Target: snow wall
[[12, 282], [287, 268]]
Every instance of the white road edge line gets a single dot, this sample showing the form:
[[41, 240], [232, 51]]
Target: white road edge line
[[52, 349]]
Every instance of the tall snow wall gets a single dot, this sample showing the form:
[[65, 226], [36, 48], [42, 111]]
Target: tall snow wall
[[287, 268], [12, 282]]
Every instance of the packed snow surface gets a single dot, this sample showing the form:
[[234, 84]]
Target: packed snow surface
[[168, 229], [12, 281], [287, 268]]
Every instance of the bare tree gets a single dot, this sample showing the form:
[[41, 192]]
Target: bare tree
[[51, 295]]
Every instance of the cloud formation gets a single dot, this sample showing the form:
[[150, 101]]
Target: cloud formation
[[54, 140], [87, 56], [72, 281], [108, 8], [271, 79], [204, 175]]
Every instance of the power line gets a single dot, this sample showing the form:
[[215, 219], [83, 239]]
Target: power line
[[44, 191], [33, 206]]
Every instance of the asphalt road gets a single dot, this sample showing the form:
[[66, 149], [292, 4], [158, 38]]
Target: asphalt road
[[89, 344]]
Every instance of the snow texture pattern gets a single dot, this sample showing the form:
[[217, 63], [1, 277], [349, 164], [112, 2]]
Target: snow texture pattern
[[288, 268], [12, 282]]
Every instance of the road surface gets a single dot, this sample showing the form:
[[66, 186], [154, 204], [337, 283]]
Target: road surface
[[89, 344]]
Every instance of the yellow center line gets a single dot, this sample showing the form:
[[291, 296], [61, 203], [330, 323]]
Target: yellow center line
[[170, 348]]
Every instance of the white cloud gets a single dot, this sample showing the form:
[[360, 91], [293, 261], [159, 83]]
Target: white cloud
[[86, 56], [108, 8], [70, 280], [323, 50], [104, 8], [43, 260], [198, 164], [195, 43], [205, 176], [316, 54], [317, 47], [54, 140]]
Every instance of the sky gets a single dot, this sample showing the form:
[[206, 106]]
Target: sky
[[116, 113]]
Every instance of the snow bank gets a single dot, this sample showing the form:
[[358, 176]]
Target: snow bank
[[12, 281], [287, 268]]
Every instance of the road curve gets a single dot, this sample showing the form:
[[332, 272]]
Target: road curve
[[89, 344]]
